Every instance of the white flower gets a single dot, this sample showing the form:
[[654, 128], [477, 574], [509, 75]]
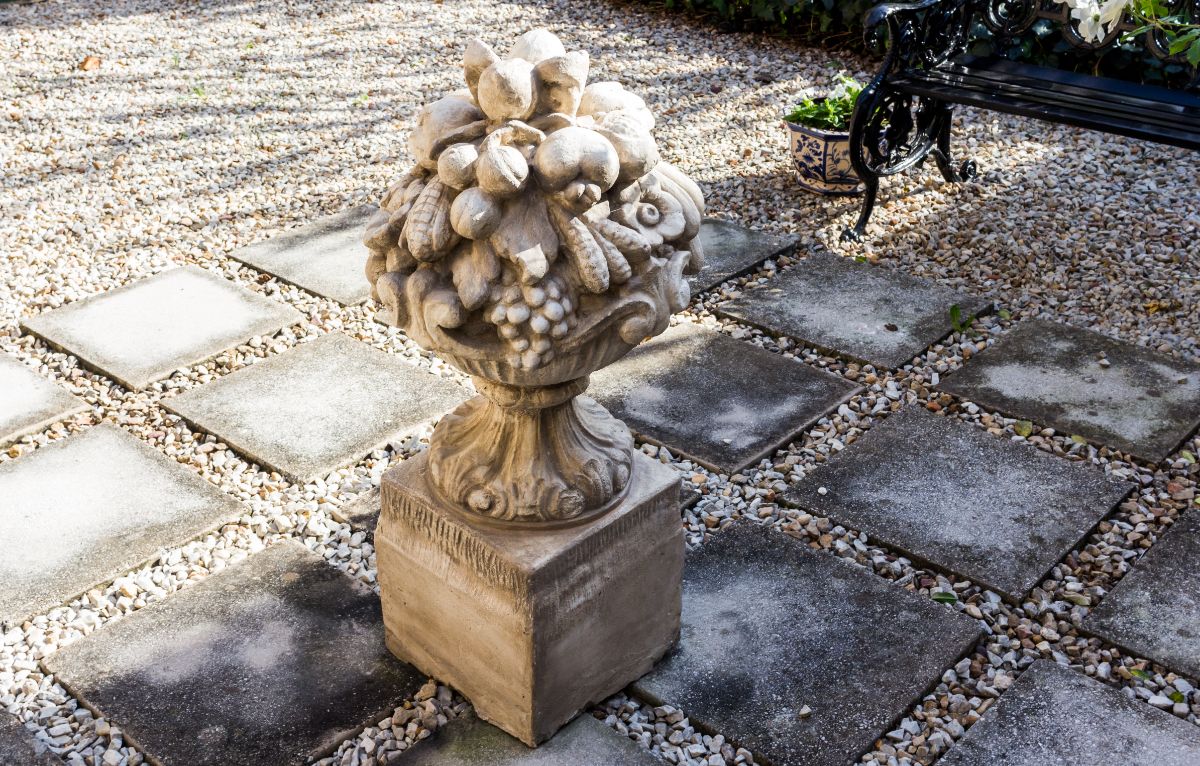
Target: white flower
[[1112, 11], [1097, 18]]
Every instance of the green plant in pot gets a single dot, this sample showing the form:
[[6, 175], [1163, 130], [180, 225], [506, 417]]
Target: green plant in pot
[[819, 139]]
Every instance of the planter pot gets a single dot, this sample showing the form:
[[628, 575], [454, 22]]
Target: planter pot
[[822, 160]]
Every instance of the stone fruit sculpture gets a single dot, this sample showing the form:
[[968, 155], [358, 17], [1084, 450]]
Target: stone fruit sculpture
[[538, 238]]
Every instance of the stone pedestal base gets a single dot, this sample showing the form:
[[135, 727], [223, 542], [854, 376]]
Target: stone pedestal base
[[531, 624]]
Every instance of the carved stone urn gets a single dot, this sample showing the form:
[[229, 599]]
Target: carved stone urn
[[537, 239]]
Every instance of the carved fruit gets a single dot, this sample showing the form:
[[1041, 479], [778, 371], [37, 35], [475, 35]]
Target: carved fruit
[[475, 214], [573, 153], [537, 45], [561, 80], [505, 90], [456, 166], [501, 170], [601, 98], [635, 146], [478, 57], [435, 121]]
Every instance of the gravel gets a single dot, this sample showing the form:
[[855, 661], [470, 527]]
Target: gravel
[[206, 129]]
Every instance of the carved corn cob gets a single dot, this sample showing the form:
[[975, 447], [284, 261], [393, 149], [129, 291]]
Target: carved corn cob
[[427, 229], [632, 244], [584, 251], [619, 269]]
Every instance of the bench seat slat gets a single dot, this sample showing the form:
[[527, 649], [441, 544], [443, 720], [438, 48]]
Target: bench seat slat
[[1025, 91], [1094, 103]]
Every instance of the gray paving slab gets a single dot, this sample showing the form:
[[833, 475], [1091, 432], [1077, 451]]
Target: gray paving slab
[[29, 402], [274, 660], [1154, 611], [1056, 716], [144, 331], [319, 406], [1081, 382], [471, 742], [18, 746], [731, 250], [868, 313], [325, 257], [88, 508], [722, 402], [949, 493], [770, 626], [363, 511]]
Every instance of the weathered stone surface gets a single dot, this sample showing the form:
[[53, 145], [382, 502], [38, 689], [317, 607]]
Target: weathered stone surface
[[324, 257], [731, 250], [1055, 716], [144, 331], [869, 313], [1081, 382], [722, 402], [86, 509], [952, 494], [18, 746], [531, 622], [273, 660], [363, 511], [524, 259], [1154, 611], [471, 742], [29, 402], [317, 407], [770, 626]]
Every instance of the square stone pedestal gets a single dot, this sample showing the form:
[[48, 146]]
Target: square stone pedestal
[[531, 625]]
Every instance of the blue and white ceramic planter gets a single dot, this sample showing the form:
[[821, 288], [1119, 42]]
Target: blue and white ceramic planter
[[822, 160]]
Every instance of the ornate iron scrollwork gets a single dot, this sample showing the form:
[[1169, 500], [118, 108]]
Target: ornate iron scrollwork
[[1008, 18]]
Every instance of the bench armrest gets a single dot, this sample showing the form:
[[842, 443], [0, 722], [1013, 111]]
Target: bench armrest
[[906, 25]]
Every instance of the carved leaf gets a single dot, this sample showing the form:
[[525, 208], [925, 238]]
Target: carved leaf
[[427, 228], [525, 226], [473, 269]]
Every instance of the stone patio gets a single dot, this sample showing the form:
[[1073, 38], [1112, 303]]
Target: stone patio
[[782, 650], [30, 402], [946, 492], [326, 257], [319, 406], [79, 512], [1055, 716], [1155, 610], [146, 330], [274, 660], [1081, 382], [178, 152], [867, 313], [721, 402]]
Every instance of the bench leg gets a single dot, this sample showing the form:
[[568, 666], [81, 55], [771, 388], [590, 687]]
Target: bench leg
[[870, 184], [964, 172]]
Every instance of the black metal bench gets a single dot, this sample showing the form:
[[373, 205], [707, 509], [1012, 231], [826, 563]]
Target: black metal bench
[[904, 115]]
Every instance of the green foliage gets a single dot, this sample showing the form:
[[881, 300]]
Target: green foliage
[[839, 22], [831, 112], [809, 18]]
